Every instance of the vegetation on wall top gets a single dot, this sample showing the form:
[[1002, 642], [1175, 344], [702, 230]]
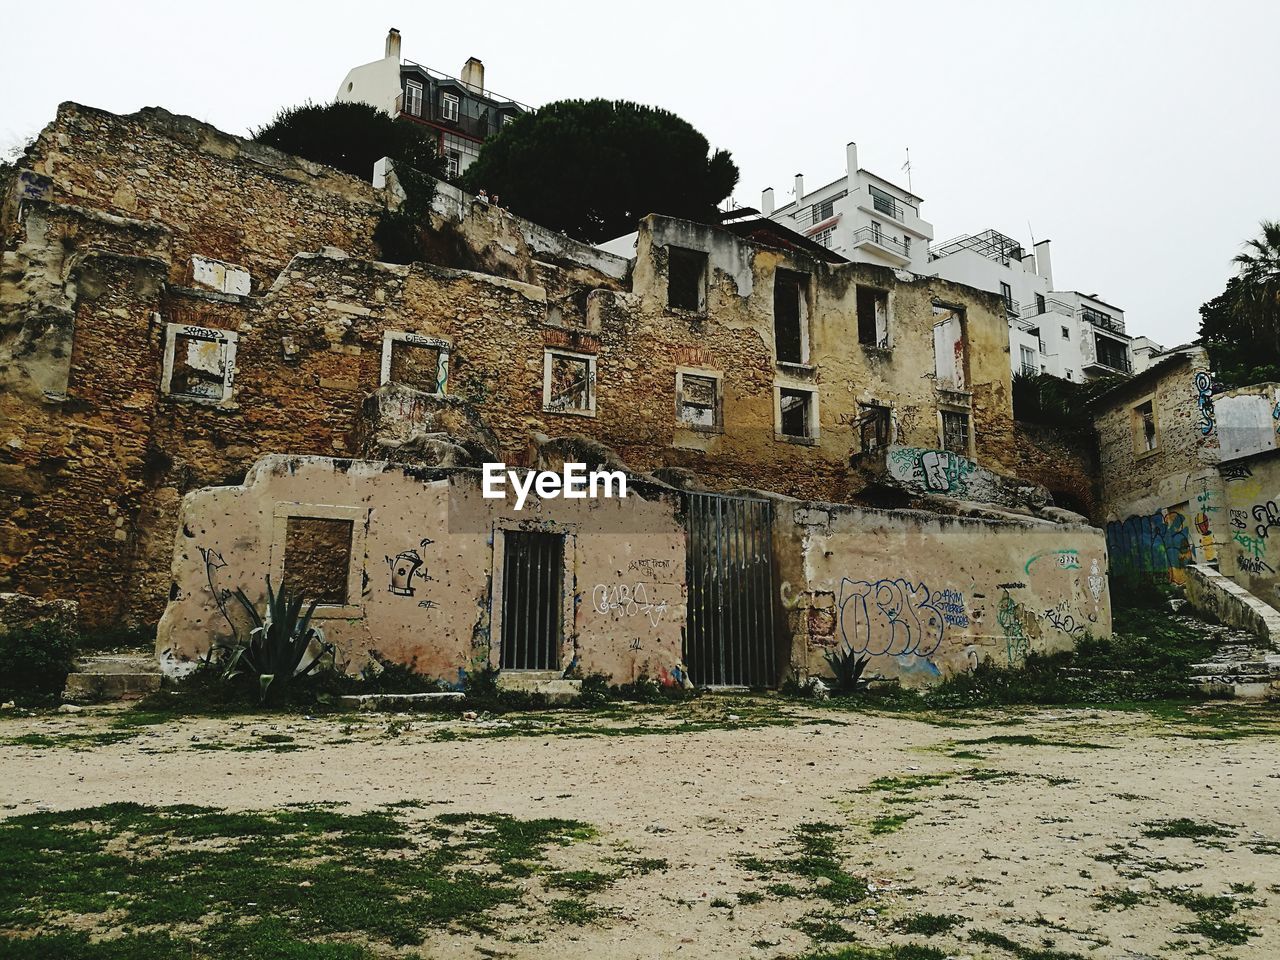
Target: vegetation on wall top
[[1241, 326]]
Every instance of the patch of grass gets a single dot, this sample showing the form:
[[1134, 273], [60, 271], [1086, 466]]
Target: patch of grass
[[931, 924], [316, 874], [889, 822], [1185, 828], [1031, 740], [991, 939], [581, 881], [822, 927], [903, 951], [1220, 930], [905, 784], [816, 861], [76, 741], [575, 913], [1118, 899]]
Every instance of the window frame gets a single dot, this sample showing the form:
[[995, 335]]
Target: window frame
[[869, 413], [804, 290], [815, 430], [547, 354], [878, 343], [392, 337], [676, 252], [943, 412], [228, 338], [354, 607], [447, 100], [415, 85], [717, 411]]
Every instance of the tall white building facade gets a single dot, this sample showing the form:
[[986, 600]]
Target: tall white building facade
[[1064, 333], [861, 216]]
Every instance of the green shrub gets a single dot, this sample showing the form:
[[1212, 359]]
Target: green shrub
[[273, 653], [35, 660]]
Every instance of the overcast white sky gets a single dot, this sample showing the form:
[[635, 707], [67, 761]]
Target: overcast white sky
[[1142, 138]]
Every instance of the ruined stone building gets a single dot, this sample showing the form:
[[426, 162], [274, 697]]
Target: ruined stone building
[[207, 376]]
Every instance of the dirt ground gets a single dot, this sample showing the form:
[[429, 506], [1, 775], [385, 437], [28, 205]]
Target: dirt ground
[[1031, 824]]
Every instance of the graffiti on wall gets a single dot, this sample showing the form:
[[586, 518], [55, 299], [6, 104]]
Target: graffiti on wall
[[896, 617], [627, 600], [1158, 543], [1013, 625], [1266, 516], [940, 471], [1066, 559], [405, 566], [1204, 401]]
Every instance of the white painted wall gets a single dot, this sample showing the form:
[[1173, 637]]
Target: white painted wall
[[376, 83]]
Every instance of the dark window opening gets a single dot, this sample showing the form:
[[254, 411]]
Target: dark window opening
[[532, 593], [873, 317], [789, 316], [1112, 353], [796, 407], [955, 432], [873, 427], [1146, 416], [686, 278], [199, 367], [1040, 303], [1006, 293], [317, 558]]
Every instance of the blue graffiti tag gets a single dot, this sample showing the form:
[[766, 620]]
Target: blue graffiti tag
[[894, 617]]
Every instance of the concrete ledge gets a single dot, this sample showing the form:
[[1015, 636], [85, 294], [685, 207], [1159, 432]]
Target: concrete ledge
[[1211, 593], [390, 701], [97, 687]]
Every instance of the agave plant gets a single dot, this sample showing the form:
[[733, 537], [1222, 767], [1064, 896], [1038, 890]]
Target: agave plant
[[278, 642], [847, 670]]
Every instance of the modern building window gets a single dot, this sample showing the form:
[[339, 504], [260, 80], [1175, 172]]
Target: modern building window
[[873, 426], [824, 210], [569, 383], [797, 413], [877, 231], [955, 431], [825, 237], [791, 316], [1069, 374], [1028, 361], [698, 403], [452, 163], [199, 363], [886, 203], [1112, 352], [508, 118], [413, 98], [1066, 333], [1040, 304], [686, 279], [1006, 292], [448, 107], [873, 317], [415, 361], [1144, 427]]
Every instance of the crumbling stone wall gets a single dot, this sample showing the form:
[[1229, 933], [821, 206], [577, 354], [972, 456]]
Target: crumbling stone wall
[[96, 455], [1163, 507], [1063, 461]]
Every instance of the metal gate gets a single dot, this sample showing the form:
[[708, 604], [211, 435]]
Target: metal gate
[[729, 638], [532, 593]]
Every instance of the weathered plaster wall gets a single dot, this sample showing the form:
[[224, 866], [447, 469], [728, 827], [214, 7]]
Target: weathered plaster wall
[[1163, 507], [927, 596], [1251, 552], [1248, 419], [624, 587]]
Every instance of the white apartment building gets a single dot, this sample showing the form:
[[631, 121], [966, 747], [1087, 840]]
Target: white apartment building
[[861, 216], [1064, 333]]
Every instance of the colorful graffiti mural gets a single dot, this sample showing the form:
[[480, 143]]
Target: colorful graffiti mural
[[1158, 543]]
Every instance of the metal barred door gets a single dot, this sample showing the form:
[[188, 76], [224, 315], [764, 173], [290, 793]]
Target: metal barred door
[[532, 591], [729, 638]]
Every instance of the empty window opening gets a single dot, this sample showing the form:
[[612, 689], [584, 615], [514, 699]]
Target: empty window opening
[[873, 427], [955, 432], [199, 362], [949, 356], [698, 401], [686, 279], [317, 558], [1145, 426], [569, 383], [532, 598], [791, 316], [873, 317], [415, 361], [796, 413]]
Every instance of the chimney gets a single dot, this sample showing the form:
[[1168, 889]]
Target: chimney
[[1029, 262], [1044, 266], [851, 159], [473, 75], [799, 188], [393, 45], [766, 201]]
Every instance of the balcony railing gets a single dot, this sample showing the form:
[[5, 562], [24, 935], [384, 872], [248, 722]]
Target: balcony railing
[[888, 204], [815, 212], [1100, 319], [1113, 356], [1049, 306], [882, 239], [1029, 370]]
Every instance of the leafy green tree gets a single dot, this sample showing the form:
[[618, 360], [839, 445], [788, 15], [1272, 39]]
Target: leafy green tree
[[352, 137], [1241, 326], [593, 168]]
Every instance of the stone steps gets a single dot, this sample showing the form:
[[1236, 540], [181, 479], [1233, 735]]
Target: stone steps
[[116, 676]]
